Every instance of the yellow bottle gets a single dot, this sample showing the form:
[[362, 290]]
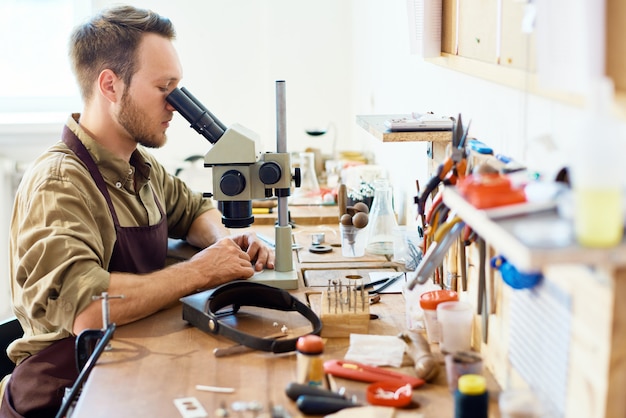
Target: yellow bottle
[[599, 218], [597, 175]]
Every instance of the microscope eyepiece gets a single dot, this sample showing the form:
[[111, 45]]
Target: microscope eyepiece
[[205, 123]]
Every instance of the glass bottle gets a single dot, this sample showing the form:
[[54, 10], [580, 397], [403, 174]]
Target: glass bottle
[[309, 191], [382, 220]]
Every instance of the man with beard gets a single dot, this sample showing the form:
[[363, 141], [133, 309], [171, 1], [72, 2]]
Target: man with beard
[[94, 212]]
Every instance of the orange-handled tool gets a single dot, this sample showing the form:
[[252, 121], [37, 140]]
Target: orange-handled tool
[[364, 373]]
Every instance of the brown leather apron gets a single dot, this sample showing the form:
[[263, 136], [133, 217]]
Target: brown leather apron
[[37, 385]]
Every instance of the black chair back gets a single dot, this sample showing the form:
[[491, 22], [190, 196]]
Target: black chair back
[[10, 330]]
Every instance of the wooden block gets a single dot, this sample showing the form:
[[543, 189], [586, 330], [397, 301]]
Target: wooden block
[[341, 320], [322, 277]]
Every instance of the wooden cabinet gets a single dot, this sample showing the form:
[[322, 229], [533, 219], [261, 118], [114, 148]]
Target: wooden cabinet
[[492, 40]]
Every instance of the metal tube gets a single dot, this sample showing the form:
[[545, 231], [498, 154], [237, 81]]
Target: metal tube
[[281, 144], [281, 121], [284, 258]]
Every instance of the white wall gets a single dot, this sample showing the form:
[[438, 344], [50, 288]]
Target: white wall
[[233, 51]]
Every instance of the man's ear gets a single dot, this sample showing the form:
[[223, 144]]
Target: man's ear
[[110, 85]]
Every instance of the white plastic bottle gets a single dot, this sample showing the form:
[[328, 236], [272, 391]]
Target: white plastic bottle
[[597, 173]]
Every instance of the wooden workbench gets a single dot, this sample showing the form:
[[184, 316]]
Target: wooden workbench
[[160, 358]]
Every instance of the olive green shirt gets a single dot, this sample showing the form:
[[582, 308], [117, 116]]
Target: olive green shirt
[[62, 234]]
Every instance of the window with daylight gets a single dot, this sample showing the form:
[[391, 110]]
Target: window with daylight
[[34, 63]]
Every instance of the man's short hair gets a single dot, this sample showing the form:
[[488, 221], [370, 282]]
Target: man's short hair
[[110, 40]]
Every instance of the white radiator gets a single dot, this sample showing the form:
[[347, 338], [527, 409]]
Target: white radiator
[[540, 339]]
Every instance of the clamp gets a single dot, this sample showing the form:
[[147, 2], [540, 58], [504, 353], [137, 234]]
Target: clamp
[[104, 296], [87, 340]]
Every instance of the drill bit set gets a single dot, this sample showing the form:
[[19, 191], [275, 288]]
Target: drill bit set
[[345, 308]]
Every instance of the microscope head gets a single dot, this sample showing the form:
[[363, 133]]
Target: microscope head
[[238, 175]]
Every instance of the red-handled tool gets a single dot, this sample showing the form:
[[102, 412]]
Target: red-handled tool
[[364, 373]]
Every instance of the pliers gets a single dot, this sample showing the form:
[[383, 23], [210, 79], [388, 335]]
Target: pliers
[[452, 168]]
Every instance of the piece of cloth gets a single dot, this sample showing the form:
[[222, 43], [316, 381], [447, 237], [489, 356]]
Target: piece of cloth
[[376, 350], [138, 245]]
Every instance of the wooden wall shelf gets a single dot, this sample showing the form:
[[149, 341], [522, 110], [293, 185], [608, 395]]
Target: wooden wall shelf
[[505, 235], [507, 76], [375, 125]]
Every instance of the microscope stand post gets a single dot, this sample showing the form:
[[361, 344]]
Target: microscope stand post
[[283, 276]]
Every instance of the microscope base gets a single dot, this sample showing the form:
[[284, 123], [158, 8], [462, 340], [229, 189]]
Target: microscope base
[[287, 280]]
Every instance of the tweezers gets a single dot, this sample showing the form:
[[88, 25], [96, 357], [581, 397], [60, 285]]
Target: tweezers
[[386, 284], [372, 283]]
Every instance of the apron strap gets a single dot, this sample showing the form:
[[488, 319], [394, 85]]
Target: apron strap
[[76, 145]]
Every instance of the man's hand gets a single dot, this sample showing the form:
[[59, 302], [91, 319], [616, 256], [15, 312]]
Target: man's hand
[[262, 256], [207, 230], [222, 262]]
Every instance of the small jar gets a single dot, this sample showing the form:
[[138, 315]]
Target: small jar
[[429, 302], [471, 399], [309, 358]]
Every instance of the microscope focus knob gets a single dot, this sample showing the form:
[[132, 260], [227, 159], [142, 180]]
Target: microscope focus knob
[[270, 172], [232, 183], [297, 176]]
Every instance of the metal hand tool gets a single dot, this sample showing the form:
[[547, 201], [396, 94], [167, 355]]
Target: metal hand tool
[[452, 168], [372, 283], [321, 405], [483, 299], [366, 373], [240, 348], [86, 368], [385, 284], [463, 261], [433, 257], [295, 390], [105, 297]]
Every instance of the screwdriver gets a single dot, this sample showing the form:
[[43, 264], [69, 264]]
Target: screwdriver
[[322, 405], [314, 400], [295, 390]]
